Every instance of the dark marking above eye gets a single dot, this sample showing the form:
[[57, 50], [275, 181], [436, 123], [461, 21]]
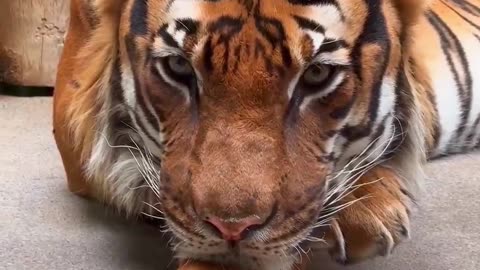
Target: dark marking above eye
[[271, 29], [138, 17], [188, 25], [227, 26], [167, 38], [308, 24], [330, 45]]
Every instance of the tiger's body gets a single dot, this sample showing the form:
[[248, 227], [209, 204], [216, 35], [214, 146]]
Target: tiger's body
[[315, 109]]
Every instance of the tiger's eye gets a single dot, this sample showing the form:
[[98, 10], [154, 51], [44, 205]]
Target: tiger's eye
[[317, 75], [179, 65]]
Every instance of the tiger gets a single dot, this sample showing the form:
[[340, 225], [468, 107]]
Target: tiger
[[257, 130]]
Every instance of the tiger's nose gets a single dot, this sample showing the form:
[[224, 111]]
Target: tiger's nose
[[234, 230]]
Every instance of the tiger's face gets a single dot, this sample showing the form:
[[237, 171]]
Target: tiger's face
[[252, 104]]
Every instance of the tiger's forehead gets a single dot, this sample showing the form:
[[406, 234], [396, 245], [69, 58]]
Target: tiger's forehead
[[326, 15], [320, 20]]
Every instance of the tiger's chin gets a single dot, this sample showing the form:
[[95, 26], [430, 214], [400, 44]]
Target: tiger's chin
[[243, 259], [248, 254]]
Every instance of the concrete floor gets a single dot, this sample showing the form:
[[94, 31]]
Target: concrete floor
[[43, 226]]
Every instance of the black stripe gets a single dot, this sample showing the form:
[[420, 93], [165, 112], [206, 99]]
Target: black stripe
[[375, 31], [403, 104], [142, 129], [188, 25], [116, 83], [226, 57], [133, 55], [273, 31], [342, 111], [226, 27], [152, 120], [437, 131], [208, 55], [249, 4], [308, 24], [286, 57], [117, 121], [399, 135], [452, 47], [329, 134], [138, 18], [468, 7], [259, 49], [131, 48], [353, 133], [167, 38], [291, 116], [92, 17], [473, 131], [330, 45], [461, 16], [237, 57]]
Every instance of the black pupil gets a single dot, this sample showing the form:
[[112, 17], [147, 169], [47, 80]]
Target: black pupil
[[315, 79], [180, 63], [177, 68], [317, 74]]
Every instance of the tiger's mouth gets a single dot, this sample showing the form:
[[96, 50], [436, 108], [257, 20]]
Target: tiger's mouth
[[251, 254], [280, 242]]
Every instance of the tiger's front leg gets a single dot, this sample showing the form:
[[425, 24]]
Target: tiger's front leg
[[376, 223]]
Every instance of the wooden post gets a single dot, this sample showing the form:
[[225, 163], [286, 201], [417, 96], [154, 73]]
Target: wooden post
[[31, 40]]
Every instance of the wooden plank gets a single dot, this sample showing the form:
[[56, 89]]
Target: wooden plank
[[31, 40]]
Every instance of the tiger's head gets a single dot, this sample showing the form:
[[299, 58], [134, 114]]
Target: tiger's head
[[251, 106]]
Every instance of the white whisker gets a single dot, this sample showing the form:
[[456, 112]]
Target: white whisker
[[153, 216]]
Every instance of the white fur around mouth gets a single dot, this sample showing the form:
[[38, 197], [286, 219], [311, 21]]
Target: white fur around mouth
[[245, 262]]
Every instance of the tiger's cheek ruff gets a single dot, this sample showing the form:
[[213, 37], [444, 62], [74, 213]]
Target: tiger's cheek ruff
[[117, 163]]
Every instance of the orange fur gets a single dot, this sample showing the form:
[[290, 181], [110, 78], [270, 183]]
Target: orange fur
[[239, 137]]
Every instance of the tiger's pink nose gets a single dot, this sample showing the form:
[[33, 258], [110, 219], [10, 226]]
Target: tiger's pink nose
[[234, 230]]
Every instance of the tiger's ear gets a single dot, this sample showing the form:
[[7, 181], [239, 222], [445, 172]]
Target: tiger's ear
[[85, 67], [89, 14], [410, 11], [93, 34]]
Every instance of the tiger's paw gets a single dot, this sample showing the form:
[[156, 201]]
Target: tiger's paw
[[375, 224]]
